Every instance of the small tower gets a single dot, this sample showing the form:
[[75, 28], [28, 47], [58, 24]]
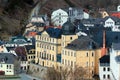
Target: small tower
[[104, 49]]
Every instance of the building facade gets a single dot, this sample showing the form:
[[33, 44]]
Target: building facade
[[104, 68], [48, 46], [81, 53]]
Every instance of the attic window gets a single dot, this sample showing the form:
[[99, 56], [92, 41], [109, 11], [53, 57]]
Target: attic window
[[116, 38]]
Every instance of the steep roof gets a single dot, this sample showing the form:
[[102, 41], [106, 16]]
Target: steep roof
[[8, 58], [82, 43], [54, 32], [105, 59], [21, 53]]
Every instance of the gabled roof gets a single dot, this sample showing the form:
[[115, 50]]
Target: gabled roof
[[112, 17], [8, 58], [82, 43], [105, 59]]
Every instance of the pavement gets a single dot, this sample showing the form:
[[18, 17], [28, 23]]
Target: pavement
[[27, 77]]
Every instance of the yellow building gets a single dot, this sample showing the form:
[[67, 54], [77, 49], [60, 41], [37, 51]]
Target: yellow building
[[48, 47], [82, 52], [30, 49]]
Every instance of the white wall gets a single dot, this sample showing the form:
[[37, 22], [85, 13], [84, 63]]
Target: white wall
[[115, 67], [118, 8], [59, 17], [8, 71], [102, 72], [24, 64], [86, 15]]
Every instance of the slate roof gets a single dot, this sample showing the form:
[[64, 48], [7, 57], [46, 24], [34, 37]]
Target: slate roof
[[82, 43], [111, 37], [68, 28], [105, 59], [9, 58], [54, 32], [21, 53], [116, 46]]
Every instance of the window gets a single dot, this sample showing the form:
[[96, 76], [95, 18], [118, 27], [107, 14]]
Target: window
[[10, 66], [52, 57], [7, 66], [92, 64], [104, 69], [70, 38], [65, 52], [87, 54], [104, 76], [68, 63], [71, 63], [92, 54], [74, 54], [108, 76], [62, 61], [108, 69], [68, 53], [86, 64], [29, 57], [53, 48]]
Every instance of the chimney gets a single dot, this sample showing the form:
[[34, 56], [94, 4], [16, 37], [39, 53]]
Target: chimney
[[104, 49]]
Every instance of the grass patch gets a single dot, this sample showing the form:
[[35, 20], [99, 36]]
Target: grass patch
[[10, 77]]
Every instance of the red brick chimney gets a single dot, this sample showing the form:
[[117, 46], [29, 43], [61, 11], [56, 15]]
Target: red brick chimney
[[104, 49]]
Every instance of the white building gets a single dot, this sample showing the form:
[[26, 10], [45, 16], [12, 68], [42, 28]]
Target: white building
[[104, 68], [59, 17], [115, 61], [77, 13], [118, 8], [7, 63], [109, 23], [112, 22]]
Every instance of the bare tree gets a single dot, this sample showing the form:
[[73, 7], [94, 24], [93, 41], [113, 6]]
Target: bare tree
[[77, 73]]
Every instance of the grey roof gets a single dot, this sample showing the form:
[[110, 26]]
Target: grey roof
[[116, 46], [68, 28], [8, 58], [83, 43]]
